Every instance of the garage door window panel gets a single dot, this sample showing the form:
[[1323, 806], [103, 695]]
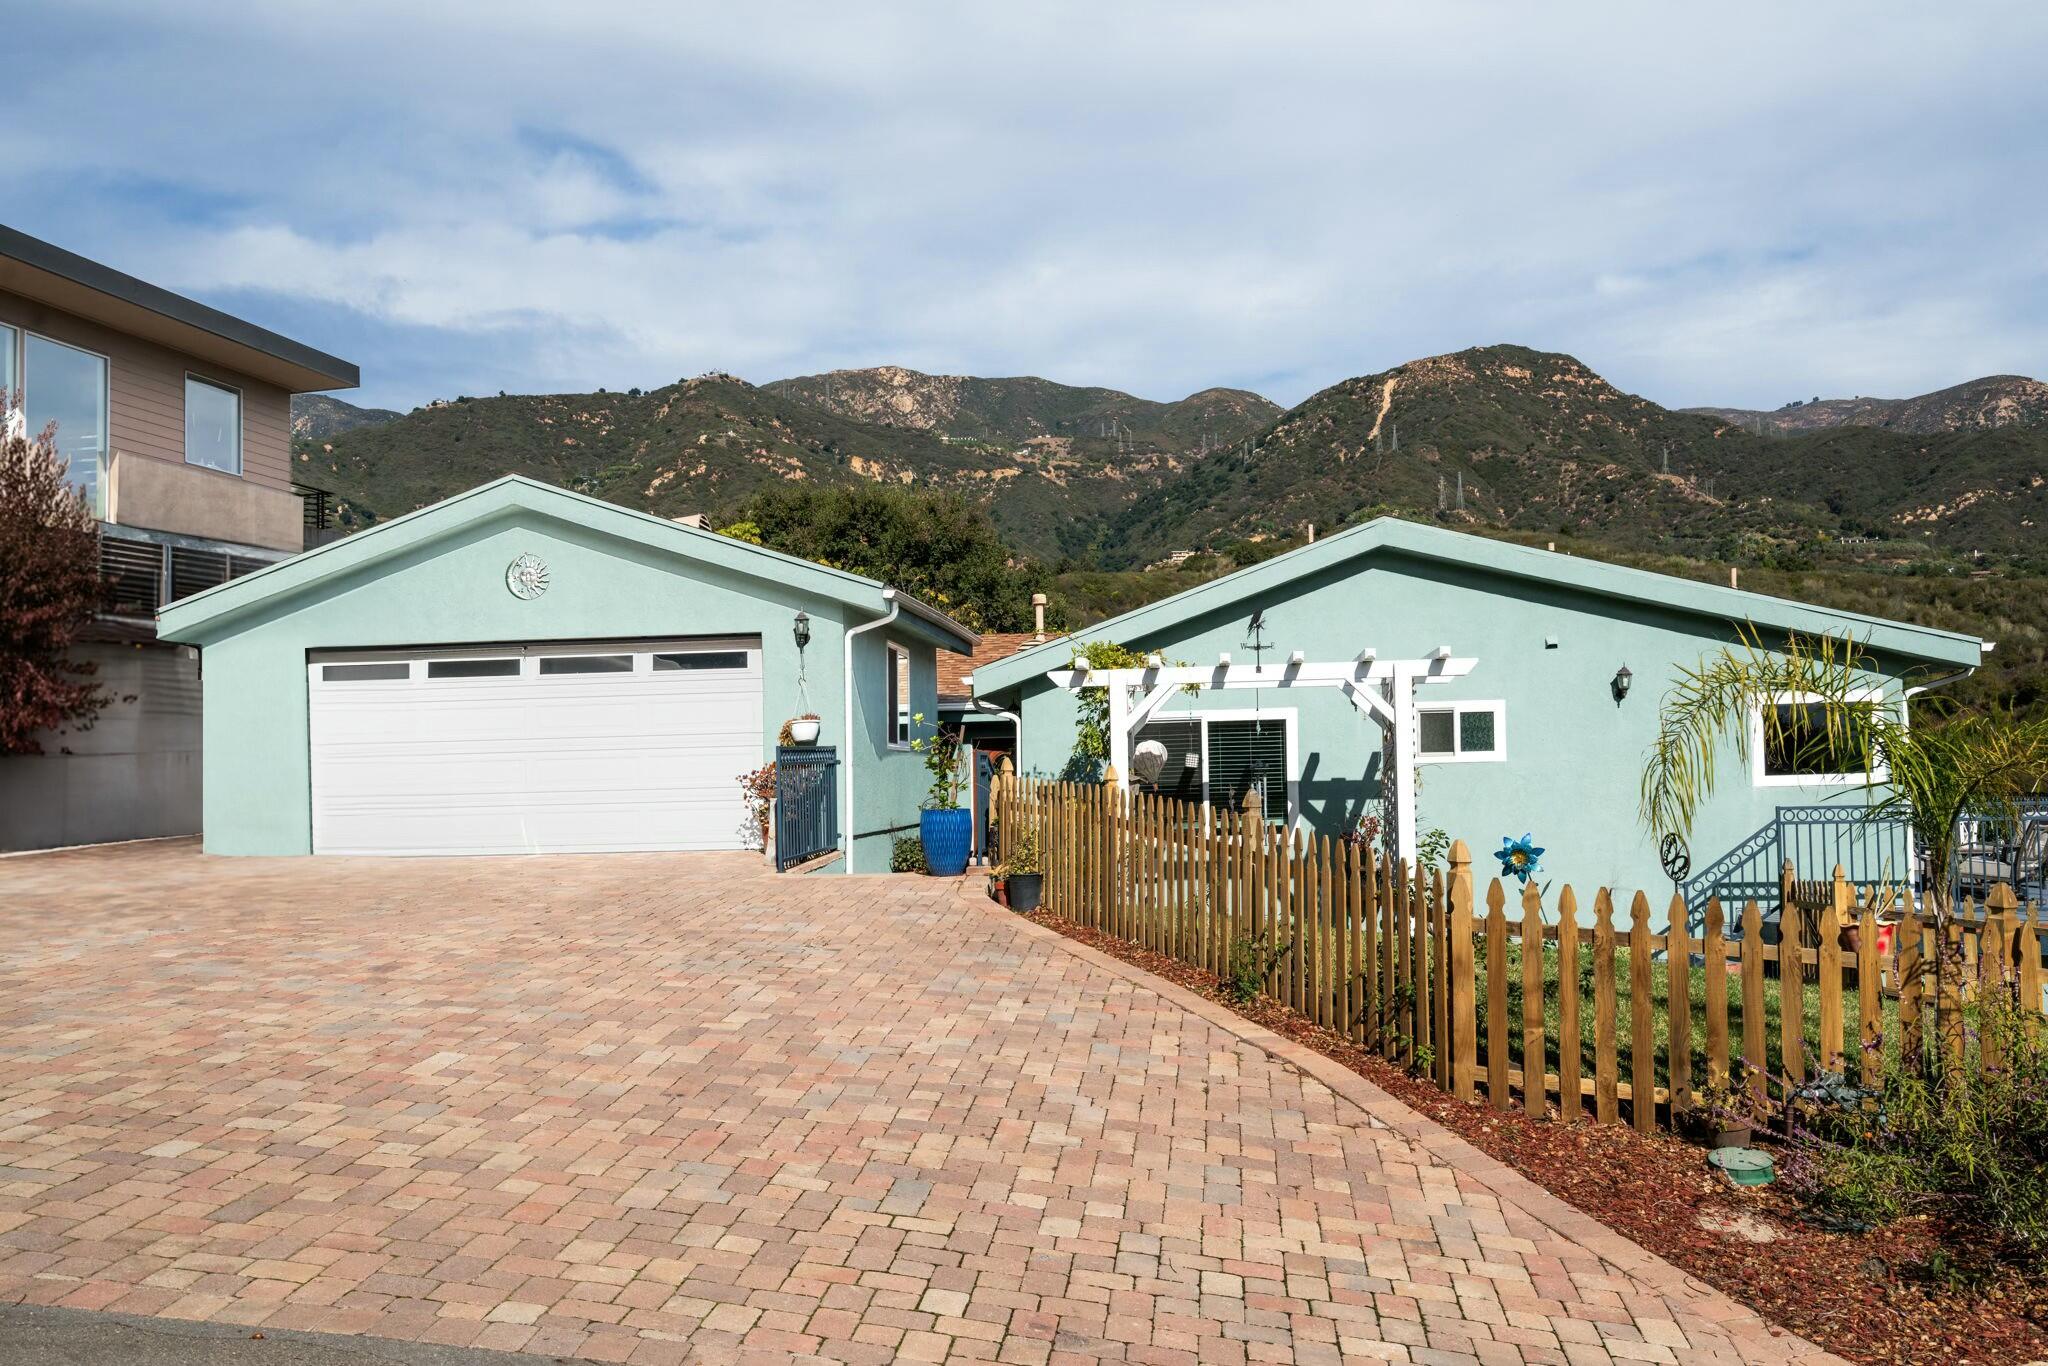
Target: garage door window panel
[[396, 672], [472, 668], [586, 664], [702, 659]]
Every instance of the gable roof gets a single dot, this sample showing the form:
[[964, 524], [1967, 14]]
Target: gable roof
[[214, 612], [1441, 545]]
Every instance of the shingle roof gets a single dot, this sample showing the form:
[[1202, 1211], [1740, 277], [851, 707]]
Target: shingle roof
[[956, 669]]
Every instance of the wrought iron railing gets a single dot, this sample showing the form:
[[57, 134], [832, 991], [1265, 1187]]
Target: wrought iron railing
[[1873, 848], [1868, 846], [806, 803]]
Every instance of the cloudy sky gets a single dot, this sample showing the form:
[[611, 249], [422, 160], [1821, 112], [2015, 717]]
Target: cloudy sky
[[1728, 203]]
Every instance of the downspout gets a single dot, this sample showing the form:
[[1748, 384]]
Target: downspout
[[1016, 723], [846, 680]]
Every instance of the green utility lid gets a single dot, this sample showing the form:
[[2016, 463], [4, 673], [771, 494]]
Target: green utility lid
[[1743, 1166]]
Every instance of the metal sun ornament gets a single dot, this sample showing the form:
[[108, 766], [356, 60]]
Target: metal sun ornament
[[527, 577], [1519, 859]]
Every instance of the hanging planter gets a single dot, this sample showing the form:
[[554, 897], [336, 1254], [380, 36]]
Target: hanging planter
[[804, 730]]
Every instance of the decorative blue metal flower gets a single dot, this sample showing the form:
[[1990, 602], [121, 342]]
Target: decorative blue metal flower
[[1518, 858]]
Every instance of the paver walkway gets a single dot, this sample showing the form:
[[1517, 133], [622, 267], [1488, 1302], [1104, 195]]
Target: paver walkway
[[673, 1108]]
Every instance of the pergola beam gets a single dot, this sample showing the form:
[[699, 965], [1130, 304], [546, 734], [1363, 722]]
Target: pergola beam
[[1359, 678]]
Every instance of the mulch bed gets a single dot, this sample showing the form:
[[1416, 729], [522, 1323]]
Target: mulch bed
[[1864, 1296]]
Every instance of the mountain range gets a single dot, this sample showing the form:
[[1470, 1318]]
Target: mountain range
[[1994, 401], [1495, 436]]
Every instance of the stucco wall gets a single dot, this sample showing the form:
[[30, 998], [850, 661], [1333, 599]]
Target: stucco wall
[[1573, 755], [134, 775], [892, 783], [451, 590]]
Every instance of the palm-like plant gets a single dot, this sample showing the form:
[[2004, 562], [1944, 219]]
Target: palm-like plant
[[1928, 775]]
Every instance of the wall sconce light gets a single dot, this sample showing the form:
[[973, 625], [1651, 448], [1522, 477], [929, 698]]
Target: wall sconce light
[[1620, 685], [802, 631]]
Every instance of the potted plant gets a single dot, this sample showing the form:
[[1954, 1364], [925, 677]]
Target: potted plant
[[945, 827], [800, 730], [1025, 882], [1728, 1114]]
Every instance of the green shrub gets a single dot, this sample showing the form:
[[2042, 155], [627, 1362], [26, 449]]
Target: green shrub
[[906, 855], [1968, 1145], [1251, 963]]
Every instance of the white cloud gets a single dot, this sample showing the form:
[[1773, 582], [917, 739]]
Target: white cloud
[[1739, 203]]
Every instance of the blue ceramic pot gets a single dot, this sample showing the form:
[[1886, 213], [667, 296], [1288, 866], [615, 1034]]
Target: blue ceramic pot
[[947, 836]]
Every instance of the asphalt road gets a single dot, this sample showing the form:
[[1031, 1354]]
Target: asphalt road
[[32, 1336]]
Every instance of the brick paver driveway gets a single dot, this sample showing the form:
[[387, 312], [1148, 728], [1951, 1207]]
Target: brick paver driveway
[[666, 1108]]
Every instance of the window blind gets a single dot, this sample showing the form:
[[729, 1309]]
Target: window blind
[[1176, 778], [1244, 754]]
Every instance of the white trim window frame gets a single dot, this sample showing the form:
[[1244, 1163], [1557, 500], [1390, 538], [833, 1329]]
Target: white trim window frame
[[1290, 720], [193, 377], [1758, 777], [1458, 754], [897, 714]]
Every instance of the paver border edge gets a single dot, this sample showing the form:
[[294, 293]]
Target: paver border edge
[[1504, 1181]]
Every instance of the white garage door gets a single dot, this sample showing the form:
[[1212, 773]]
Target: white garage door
[[534, 749]]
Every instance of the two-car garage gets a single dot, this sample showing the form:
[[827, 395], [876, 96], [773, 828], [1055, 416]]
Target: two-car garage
[[538, 748], [525, 670]]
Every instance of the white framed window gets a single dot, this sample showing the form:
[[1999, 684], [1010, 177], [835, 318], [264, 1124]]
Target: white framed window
[[213, 425], [1231, 752], [67, 385], [898, 713], [1461, 732], [1791, 747]]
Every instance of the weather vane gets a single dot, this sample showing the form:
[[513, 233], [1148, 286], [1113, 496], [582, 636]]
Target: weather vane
[[1257, 644]]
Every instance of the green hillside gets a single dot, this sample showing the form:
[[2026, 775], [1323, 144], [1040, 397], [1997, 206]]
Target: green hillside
[[1511, 437], [1027, 408], [705, 445]]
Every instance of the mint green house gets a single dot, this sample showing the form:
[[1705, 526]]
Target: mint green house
[[1434, 680], [524, 669]]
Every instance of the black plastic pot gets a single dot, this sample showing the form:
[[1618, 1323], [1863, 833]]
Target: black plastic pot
[[1025, 889]]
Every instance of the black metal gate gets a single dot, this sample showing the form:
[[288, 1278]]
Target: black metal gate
[[806, 803]]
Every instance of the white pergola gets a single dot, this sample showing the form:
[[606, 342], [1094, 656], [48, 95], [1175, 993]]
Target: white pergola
[[1136, 696]]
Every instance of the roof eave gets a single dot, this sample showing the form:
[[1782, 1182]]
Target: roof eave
[[1595, 577], [62, 279]]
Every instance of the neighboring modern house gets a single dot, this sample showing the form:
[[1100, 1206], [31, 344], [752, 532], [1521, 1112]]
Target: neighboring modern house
[[1484, 678], [520, 669], [176, 422]]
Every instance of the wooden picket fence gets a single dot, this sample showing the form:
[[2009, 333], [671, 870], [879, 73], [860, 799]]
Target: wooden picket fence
[[1488, 993]]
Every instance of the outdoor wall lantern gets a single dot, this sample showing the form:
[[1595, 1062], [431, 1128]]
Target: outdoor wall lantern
[[1622, 679], [802, 631]]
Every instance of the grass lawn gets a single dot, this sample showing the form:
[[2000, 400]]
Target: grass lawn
[[1818, 1053]]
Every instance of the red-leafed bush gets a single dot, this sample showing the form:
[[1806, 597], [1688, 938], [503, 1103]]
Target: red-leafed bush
[[49, 589]]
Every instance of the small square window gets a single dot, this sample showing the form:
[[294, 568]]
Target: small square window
[[1460, 733]]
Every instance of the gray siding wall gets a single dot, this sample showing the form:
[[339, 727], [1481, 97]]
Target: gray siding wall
[[134, 775]]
